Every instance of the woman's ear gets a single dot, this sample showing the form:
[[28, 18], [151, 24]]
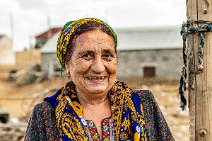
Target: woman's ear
[[68, 74], [66, 66], [67, 70]]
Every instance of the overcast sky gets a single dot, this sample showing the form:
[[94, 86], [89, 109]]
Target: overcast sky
[[30, 17]]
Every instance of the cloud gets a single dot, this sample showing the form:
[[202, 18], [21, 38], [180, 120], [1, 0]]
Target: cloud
[[7, 6]]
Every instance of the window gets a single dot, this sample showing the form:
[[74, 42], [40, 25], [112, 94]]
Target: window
[[149, 71]]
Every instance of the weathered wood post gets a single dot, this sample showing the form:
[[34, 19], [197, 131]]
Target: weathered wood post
[[200, 75]]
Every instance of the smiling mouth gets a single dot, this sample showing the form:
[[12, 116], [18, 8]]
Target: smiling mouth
[[96, 77]]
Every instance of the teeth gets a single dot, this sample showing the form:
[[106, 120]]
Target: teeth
[[96, 78]]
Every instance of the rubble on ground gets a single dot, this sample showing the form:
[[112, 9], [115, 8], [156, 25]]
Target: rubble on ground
[[23, 77], [12, 132]]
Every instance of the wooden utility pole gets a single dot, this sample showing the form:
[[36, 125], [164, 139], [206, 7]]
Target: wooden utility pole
[[200, 82]]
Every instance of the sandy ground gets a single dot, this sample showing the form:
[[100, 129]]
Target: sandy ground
[[19, 100]]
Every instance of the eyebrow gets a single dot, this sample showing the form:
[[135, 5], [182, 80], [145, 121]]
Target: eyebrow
[[84, 52], [108, 51], [81, 53]]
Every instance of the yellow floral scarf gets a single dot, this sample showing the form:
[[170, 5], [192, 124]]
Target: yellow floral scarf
[[126, 108]]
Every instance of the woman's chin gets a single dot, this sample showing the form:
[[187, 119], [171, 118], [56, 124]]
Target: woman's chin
[[97, 89], [94, 86]]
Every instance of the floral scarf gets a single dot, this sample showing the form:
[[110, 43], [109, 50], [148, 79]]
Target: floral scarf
[[126, 109]]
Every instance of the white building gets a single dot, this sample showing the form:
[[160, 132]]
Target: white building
[[7, 55]]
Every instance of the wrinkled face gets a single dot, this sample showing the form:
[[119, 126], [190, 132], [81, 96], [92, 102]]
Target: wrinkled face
[[93, 62]]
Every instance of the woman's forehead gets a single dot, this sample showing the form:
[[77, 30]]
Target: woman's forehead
[[94, 39], [96, 35], [94, 49]]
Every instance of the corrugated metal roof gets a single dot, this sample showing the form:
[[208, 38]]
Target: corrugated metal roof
[[48, 33], [137, 39], [149, 38]]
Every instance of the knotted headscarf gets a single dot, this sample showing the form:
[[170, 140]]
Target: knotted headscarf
[[66, 36]]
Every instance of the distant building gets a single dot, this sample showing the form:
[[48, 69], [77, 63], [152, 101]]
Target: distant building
[[147, 52], [49, 61], [142, 52], [7, 55], [42, 38]]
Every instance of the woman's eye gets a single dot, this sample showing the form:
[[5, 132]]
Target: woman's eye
[[87, 56], [107, 56]]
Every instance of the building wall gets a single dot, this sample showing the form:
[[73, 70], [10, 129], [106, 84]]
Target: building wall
[[27, 58], [167, 62]]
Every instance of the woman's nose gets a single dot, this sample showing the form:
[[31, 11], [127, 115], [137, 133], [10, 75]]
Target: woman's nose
[[98, 65]]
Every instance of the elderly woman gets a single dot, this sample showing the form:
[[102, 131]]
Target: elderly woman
[[95, 106]]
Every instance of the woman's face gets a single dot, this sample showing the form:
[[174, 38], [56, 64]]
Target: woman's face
[[93, 62]]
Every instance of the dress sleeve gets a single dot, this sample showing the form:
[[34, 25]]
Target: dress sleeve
[[42, 124], [156, 126]]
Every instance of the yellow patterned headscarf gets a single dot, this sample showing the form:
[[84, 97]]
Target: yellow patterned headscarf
[[68, 30]]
